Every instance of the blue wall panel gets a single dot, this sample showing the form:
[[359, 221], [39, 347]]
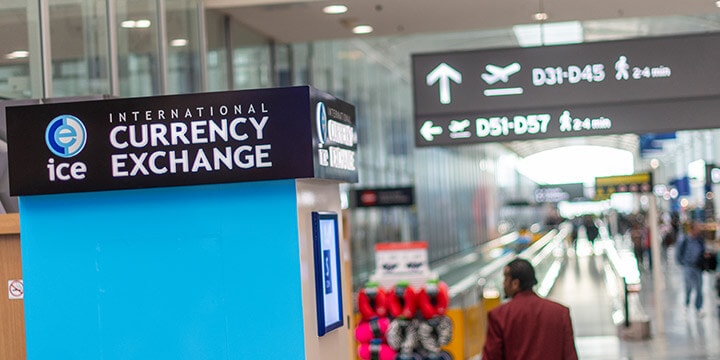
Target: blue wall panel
[[199, 272]]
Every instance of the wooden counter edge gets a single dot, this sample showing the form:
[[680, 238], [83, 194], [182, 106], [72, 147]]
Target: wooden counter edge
[[9, 224]]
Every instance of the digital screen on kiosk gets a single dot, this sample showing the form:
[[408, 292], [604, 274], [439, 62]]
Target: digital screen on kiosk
[[328, 289]]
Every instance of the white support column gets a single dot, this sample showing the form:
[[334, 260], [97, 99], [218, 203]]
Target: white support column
[[114, 68], [162, 47], [657, 273], [202, 40], [40, 54]]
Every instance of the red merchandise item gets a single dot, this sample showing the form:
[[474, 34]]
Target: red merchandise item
[[433, 299], [372, 302], [376, 351], [376, 328], [402, 301]]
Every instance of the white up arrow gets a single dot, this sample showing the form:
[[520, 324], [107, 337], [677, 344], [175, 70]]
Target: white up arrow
[[428, 131], [444, 73]]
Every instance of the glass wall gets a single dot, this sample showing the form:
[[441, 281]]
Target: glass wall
[[184, 49], [139, 65], [457, 190], [154, 48], [218, 58], [350, 71], [79, 48], [15, 50], [237, 57]]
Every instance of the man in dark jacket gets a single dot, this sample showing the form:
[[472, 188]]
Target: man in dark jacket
[[690, 253], [528, 327]]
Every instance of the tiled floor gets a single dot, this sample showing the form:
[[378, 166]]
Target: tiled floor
[[684, 336]]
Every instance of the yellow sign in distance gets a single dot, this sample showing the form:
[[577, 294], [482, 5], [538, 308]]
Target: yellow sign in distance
[[635, 183], [641, 178]]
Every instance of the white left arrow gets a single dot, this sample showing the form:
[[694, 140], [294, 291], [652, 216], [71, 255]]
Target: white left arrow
[[428, 130], [444, 73]]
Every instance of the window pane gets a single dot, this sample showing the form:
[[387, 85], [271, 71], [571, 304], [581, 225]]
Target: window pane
[[217, 53], [183, 48], [139, 61], [79, 47], [251, 59], [14, 50], [248, 63]]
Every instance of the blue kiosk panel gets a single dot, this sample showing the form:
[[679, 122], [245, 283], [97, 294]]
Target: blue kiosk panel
[[195, 272]]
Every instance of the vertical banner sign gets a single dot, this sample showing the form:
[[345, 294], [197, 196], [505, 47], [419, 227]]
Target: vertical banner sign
[[335, 138], [236, 136], [630, 86]]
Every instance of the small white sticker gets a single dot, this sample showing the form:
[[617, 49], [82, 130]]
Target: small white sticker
[[15, 289]]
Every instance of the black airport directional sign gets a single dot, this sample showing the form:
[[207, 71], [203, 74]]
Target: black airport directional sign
[[631, 86]]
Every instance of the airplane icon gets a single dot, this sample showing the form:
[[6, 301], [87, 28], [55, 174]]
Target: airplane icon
[[498, 73], [458, 125]]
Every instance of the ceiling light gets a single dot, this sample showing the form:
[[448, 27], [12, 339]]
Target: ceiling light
[[717, 3], [570, 32], [362, 29], [178, 42], [350, 55], [541, 16], [335, 9], [136, 24], [142, 24], [17, 54]]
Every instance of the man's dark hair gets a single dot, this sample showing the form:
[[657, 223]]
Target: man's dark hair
[[523, 271]]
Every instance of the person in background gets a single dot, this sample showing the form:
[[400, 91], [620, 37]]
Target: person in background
[[527, 327], [591, 229], [690, 254], [667, 234], [640, 236]]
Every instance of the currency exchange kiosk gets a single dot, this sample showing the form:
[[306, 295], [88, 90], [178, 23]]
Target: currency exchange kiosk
[[200, 226]]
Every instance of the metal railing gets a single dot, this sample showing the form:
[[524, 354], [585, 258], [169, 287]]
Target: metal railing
[[625, 283], [546, 254], [450, 264]]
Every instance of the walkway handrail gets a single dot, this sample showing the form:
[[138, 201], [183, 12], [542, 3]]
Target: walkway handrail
[[536, 253], [540, 250], [500, 262], [501, 241], [552, 273], [453, 262], [625, 267]]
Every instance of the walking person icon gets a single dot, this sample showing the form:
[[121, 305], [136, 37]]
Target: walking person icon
[[621, 68], [565, 121]]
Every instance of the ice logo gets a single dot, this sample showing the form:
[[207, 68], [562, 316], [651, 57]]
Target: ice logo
[[322, 122], [65, 136]]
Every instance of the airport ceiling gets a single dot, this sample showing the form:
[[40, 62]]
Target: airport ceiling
[[491, 22], [302, 20]]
